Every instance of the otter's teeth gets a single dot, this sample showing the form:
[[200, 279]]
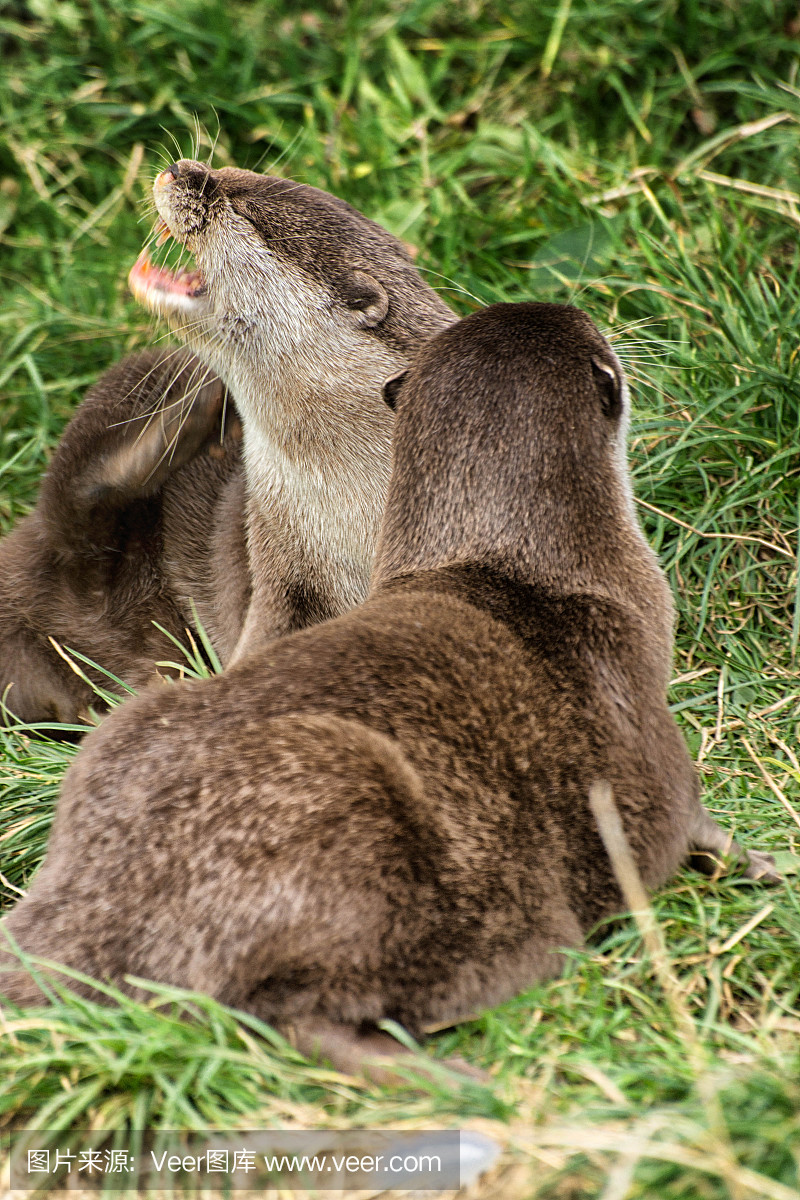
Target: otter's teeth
[[163, 230], [158, 286]]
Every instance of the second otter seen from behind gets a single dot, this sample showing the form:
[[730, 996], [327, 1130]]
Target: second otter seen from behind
[[387, 815], [303, 306]]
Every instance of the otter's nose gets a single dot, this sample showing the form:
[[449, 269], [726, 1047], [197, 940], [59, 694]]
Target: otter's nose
[[168, 176]]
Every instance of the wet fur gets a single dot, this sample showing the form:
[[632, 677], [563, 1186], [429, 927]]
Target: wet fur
[[386, 816]]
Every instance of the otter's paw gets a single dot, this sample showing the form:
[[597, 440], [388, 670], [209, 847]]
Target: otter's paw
[[756, 865], [761, 867]]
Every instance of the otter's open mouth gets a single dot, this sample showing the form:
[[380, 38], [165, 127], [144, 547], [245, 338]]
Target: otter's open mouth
[[161, 288]]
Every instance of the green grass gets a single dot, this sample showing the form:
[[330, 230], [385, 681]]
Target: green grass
[[638, 159]]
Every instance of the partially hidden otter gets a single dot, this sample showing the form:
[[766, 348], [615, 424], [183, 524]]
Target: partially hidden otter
[[387, 815], [139, 516], [304, 307]]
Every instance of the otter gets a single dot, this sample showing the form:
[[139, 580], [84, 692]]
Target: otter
[[139, 516], [396, 802], [303, 306]]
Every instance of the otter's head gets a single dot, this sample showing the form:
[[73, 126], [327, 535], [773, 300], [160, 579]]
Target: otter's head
[[291, 284], [509, 446]]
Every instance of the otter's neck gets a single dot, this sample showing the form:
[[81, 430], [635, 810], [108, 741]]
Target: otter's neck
[[585, 539], [316, 444], [317, 464]]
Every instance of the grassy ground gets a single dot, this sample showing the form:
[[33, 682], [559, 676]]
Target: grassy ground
[[641, 160]]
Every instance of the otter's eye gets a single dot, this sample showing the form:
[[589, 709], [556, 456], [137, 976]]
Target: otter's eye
[[253, 215]]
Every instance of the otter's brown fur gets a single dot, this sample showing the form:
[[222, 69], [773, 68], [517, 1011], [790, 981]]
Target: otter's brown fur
[[303, 307], [308, 306], [387, 816], [138, 515]]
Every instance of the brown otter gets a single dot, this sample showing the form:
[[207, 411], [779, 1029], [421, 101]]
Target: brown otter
[[397, 801], [303, 306], [139, 515]]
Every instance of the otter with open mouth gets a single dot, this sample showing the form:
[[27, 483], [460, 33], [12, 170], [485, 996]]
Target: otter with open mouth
[[304, 307]]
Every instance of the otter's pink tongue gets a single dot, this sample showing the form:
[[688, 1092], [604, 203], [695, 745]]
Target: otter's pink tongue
[[145, 278]]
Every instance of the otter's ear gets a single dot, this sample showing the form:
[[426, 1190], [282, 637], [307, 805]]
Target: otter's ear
[[608, 386], [365, 297], [391, 388]]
